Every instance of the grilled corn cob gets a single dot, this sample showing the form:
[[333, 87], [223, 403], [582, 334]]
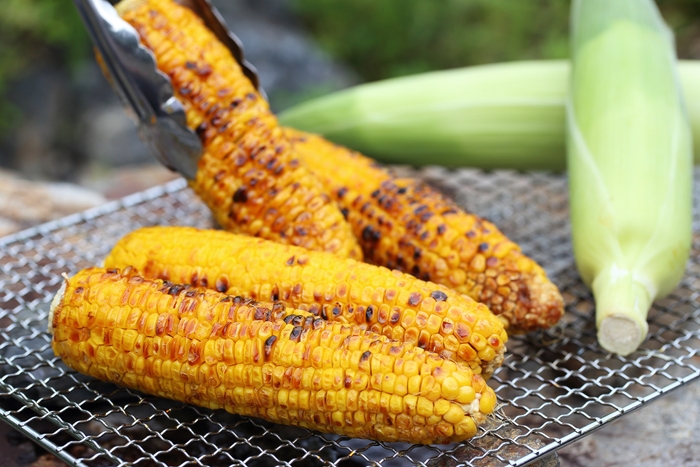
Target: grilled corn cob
[[405, 224], [206, 348], [248, 173], [394, 304]]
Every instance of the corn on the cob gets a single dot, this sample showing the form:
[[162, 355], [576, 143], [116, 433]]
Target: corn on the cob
[[501, 115], [405, 224], [248, 173], [630, 164], [391, 303], [220, 352]]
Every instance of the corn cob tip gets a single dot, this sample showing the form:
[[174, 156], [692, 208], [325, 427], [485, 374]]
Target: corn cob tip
[[540, 305], [56, 302]]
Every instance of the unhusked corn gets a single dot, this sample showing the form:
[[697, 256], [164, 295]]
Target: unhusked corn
[[258, 359], [391, 303], [248, 174], [404, 224]]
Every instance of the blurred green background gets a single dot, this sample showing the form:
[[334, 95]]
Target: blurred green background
[[374, 39]]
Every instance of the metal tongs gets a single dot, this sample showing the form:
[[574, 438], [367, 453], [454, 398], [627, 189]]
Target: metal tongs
[[147, 93]]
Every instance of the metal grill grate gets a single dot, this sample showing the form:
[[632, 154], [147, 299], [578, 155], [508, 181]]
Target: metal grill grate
[[555, 386]]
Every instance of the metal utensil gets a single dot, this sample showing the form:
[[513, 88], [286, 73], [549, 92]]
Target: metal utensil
[[145, 92]]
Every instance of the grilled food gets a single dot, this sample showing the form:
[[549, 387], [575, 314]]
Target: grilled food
[[391, 303], [248, 174], [404, 224], [206, 348]]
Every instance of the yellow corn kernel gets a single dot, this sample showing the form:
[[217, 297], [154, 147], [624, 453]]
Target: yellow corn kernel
[[437, 240], [244, 364], [488, 401]]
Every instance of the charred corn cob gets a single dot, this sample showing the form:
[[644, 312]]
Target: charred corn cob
[[248, 174], [206, 348], [391, 303], [405, 224]]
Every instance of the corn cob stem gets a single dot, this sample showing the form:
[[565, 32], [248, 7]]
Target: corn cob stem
[[396, 305], [220, 352], [404, 224], [248, 173]]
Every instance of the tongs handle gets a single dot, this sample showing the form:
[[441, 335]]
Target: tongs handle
[[146, 93]]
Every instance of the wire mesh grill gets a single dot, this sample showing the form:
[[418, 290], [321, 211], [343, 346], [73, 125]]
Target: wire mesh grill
[[555, 386]]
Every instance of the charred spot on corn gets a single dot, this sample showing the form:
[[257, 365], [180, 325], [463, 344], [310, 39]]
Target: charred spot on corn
[[269, 344]]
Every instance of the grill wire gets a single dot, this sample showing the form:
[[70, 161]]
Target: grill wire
[[554, 386]]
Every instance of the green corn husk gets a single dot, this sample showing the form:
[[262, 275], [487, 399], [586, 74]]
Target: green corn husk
[[629, 163], [508, 115]]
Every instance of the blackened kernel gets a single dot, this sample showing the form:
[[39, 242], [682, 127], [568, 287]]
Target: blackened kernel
[[345, 213], [471, 234], [201, 128], [337, 309], [365, 356], [240, 196], [370, 235], [175, 289], [222, 284], [261, 313], [342, 191], [251, 96], [290, 261], [278, 306], [395, 316], [190, 65], [401, 190], [483, 246], [414, 299], [219, 175], [426, 216], [420, 209], [438, 296], [369, 313], [319, 323], [269, 343], [288, 319], [204, 70], [236, 102], [78, 290], [296, 332], [416, 253], [375, 193], [240, 160], [441, 229]]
